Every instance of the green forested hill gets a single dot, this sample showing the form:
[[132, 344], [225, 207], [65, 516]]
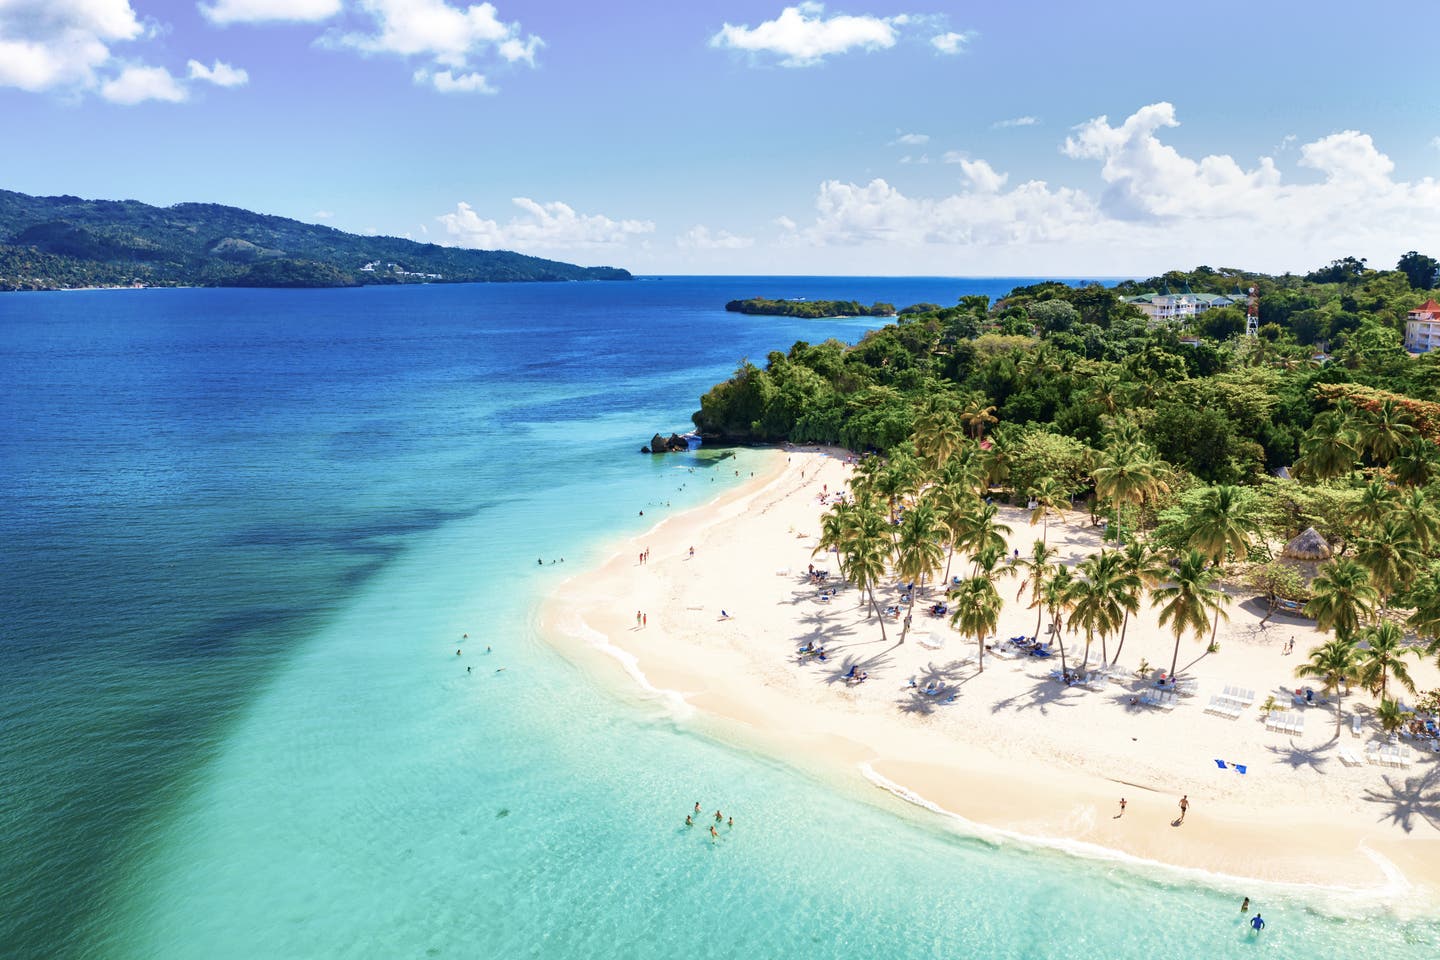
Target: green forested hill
[[51, 243]]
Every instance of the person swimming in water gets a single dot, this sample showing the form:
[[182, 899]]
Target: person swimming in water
[[1257, 923], [1245, 905], [713, 833], [697, 806], [688, 821]]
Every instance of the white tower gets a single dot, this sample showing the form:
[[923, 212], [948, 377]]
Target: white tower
[[1252, 313]]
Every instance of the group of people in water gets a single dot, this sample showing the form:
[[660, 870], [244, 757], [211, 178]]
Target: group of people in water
[[719, 819]]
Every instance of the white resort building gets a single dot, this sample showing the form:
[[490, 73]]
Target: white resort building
[[1178, 306], [1422, 327]]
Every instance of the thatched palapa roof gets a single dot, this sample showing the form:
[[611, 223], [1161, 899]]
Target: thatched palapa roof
[[1309, 545]]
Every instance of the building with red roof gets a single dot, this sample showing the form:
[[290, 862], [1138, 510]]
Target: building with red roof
[[1422, 327]]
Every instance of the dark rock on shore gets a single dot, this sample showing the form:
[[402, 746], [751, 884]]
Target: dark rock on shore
[[673, 444]]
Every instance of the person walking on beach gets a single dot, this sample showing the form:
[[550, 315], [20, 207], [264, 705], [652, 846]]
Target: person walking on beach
[[637, 618], [1122, 806], [1184, 806], [644, 619]]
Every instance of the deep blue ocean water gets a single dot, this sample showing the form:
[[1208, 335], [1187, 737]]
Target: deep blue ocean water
[[243, 533]]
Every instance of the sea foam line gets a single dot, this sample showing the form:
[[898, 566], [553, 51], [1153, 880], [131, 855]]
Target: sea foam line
[[575, 626], [1396, 889]]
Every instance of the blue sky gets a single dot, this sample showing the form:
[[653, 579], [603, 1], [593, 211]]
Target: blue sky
[[1109, 138]]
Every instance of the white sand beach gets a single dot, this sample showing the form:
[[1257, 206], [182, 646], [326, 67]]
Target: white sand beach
[[1014, 749]]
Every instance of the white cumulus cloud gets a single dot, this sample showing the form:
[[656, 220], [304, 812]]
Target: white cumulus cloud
[[447, 81], [802, 35], [449, 38], [950, 42], [1158, 207], [911, 139], [61, 44], [259, 11], [138, 84], [1015, 122], [220, 74], [323, 215], [701, 237], [545, 226]]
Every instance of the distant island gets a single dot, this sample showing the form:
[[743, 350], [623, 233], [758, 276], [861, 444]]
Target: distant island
[[59, 243], [811, 309]]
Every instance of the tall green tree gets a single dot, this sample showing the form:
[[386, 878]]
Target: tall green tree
[[975, 611], [1225, 522], [1342, 595], [1391, 554], [1382, 658], [1334, 663], [1136, 573], [866, 550], [980, 530], [1129, 475], [1097, 603], [1385, 429], [1330, 448], [1047, 497], [1035, 570], [918, 554], [1059, 596], [1190, 602]]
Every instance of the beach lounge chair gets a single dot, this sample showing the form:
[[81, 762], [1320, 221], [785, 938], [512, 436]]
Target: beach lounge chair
[[1220, 764], [1348, 757], [1355, 723]]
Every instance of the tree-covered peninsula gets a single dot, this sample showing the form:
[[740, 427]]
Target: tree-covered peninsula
[[53, 243], [809, 309], [1300, 464]]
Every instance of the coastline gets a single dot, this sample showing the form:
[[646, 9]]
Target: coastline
[[1016, 756]]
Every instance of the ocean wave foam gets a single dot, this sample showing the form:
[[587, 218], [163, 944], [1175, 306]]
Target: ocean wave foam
[[673, 700], [1396, 892]]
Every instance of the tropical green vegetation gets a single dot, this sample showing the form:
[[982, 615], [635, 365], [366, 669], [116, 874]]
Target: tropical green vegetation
[[811, 309], [1197, 451], [51, 243]]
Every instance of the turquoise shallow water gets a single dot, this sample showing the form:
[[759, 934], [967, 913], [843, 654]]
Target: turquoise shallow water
[[246, 532]]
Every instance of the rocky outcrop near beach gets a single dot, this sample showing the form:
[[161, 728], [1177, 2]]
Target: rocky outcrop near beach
[[673, 444]]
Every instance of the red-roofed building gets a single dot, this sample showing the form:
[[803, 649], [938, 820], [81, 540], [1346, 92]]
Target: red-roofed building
[[1422, 327]]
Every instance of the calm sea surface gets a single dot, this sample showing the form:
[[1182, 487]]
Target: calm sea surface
[[241, 537]]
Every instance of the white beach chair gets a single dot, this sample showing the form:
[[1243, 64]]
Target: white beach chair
[[1355, 723], [1348, 757]]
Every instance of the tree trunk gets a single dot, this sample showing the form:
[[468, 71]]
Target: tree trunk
[[1176, 658], [1339, 701], [1124, 625], [1060, 639], [876, 607], [980, 645], [1039, 615]]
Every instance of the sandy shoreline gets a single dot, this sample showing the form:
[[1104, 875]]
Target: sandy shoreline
[[1015, 751]]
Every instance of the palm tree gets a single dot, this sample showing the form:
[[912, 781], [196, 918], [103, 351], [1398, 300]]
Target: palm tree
[[1096, 604], [975, 610], [997, 459], [1376, 501], [1135, 574], [1391, 715], [1190, 602], [900, 478], [1333, 663], [978, 530], [1058, 597], [866, 549], [1391, 555], [1047, 494], [1417, 462], [1381, 660], [1037, 568], [1128, 476], [1223, 523], [978, 415], [919, 553], [937, 436], [1384, 429], [1342, 594], [1426, 618], [1329, 448], [1420, 518]]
